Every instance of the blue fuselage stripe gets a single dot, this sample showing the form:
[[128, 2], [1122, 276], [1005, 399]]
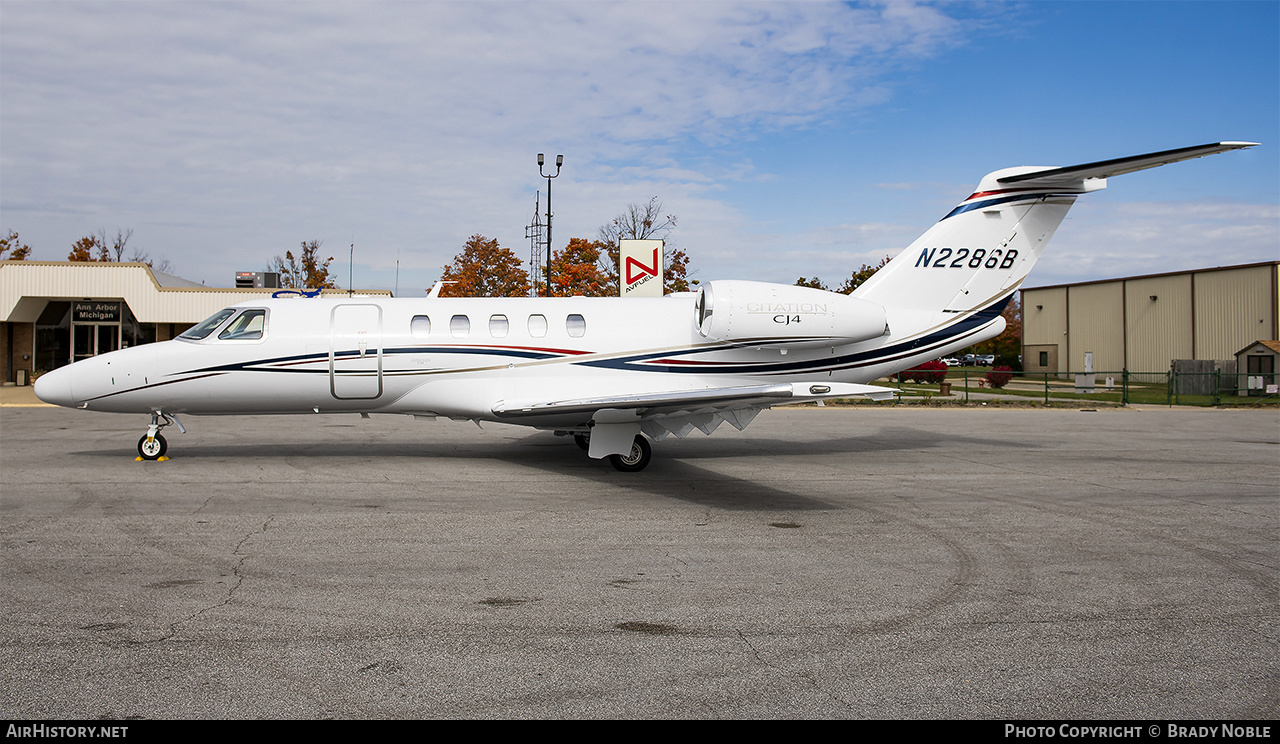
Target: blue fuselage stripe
[[983, 204]]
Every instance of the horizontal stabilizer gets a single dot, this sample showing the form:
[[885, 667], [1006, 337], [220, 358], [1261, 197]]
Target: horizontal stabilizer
[[1072, 174]]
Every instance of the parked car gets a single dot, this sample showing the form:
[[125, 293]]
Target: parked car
[[986, 360], [951, 362], [969, 360]]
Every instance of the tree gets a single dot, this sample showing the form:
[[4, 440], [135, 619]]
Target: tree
[[675, 273], [96, 248], [1007, 347], [306, 271], [288, 269], [853, 282], [576, 270], [89, 248], [315, 272], [483, 269], [860, 276], [643, 222], [814, 283], [17, 250], [140, 256], [639, 222], [117, 245]]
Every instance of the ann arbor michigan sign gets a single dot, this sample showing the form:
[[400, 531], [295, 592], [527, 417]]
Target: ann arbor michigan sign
[[97, 312]]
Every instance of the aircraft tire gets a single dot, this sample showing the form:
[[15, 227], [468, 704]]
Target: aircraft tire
[[635, 460], [583, 441], [154, 450]]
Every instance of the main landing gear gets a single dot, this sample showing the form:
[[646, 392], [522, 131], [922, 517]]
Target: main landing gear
[[635, 460], [152, 445], [632, 461]]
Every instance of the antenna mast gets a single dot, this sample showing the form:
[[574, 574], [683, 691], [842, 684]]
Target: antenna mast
[[537, 235]]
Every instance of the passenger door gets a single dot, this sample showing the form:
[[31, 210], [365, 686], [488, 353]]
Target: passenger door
[[355, 352]]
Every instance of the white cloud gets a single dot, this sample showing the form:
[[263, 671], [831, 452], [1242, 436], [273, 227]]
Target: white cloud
[[1136, 238], [226, 133]]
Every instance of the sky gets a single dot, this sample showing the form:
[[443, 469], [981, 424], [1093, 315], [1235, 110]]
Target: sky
[[789, 139]]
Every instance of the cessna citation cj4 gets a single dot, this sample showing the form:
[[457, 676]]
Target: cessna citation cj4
[[607, 371]]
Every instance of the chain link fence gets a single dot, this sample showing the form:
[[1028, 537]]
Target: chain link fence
[[1176, 387]]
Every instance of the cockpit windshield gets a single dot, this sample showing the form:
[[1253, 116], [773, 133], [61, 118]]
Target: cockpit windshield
[[247, 326], [208, 325]]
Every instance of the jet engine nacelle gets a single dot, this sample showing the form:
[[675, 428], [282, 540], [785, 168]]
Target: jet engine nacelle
[[785, 316]]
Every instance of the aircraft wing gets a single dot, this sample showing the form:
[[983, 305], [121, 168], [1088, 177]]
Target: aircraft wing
[[650, 404], [1073, 174], [678, 412]]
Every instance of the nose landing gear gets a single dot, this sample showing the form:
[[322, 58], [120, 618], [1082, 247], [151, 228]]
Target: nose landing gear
[[152, 445]]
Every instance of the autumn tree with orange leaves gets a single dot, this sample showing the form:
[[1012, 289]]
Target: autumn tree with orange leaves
[[17, 250], [306, 270], [675, 271], [1007, 347], [89, 248], [576, 270], [484, 269], [98, 249]]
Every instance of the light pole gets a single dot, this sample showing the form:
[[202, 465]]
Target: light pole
[[559, 162]]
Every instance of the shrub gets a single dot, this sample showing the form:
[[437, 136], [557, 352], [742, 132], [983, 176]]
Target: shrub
[[930, 373], [998, 377]]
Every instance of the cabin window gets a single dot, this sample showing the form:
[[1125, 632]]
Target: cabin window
[[248, 326], [537, 326], [498, 326], [576, 325], [460, 326], [208, 325], [420, 326]]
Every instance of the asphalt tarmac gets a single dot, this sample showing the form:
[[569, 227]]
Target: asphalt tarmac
[[883, 562]]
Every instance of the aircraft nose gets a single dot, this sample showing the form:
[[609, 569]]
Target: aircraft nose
[[55, 387]]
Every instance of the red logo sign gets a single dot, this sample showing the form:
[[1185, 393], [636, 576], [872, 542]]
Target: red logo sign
[[643, 270]]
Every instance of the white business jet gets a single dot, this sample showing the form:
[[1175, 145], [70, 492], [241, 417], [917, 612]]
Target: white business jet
[[607, 371]]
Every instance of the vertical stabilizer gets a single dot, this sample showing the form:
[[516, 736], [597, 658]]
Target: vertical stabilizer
[[974, 258]]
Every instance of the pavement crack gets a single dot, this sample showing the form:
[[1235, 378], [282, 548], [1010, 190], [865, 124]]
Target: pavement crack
[[809, 678], [229, 595]]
